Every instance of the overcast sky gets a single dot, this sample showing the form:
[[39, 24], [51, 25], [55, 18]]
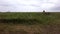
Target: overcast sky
[[29, 5]]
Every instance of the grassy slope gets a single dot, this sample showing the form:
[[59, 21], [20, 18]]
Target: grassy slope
[[48, 24], [39, 17]]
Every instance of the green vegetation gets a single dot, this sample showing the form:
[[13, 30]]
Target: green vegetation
[[31, 17], [30, 23]]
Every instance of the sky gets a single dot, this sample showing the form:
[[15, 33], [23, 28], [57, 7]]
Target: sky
[[29, 5]]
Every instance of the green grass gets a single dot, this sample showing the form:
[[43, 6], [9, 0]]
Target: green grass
[[32, 17], [31, 23]]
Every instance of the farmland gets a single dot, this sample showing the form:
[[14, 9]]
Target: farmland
[[30, 22]]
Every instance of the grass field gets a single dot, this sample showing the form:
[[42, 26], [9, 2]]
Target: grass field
[[30, 23]]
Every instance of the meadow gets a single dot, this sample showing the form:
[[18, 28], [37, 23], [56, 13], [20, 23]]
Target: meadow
[[30, 23]]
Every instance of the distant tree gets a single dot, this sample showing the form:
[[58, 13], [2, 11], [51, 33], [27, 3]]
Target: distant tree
[[46, 13], [43, 11]]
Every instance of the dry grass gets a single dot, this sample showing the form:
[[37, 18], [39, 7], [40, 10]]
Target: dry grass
[[21, 29], [30, 29]]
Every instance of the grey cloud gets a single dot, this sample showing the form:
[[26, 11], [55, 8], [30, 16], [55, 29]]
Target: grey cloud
[[56, 8], [14, 6], [6, 5]]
